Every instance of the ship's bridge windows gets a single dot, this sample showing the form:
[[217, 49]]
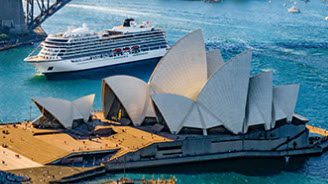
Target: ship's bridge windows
[[56, 40], [112, 33]]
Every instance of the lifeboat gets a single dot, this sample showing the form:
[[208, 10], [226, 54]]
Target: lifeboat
[[126, 49], [136, 47], [117, 50]]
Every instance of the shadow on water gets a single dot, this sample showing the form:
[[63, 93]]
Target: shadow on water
[[249, 166], [253, 167]]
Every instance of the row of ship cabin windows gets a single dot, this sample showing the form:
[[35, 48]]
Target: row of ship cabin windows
[[49, 52], [95, 46], [56, 47], [74, 42], [112, 53], [119, 44]]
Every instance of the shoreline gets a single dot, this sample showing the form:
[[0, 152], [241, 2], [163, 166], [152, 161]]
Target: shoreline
[[29, 39]]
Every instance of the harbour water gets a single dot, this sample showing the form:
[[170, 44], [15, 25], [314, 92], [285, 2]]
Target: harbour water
[[294, 46]]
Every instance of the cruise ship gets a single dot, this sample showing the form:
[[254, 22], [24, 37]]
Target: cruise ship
[[79, 49]]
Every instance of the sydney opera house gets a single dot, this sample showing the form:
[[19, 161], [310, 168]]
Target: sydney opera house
[[195, 91], [210, 109], [195, 107]]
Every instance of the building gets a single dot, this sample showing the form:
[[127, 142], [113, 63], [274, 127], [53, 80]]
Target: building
[[194, 91], [209, 108], [59, 113]]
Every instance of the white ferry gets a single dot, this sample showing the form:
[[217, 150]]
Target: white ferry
[[79, 49]]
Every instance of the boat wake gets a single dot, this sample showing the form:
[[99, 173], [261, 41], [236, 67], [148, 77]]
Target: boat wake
[[38, 76]]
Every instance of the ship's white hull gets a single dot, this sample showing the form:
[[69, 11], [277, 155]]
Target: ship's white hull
[[80, 64]]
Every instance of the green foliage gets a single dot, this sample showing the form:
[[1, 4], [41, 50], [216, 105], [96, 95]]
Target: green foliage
[[3, 36]]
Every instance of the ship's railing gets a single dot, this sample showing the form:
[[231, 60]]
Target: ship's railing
[[100, 41], [109, 55], [128, 39], [35, 51], [98, 46]]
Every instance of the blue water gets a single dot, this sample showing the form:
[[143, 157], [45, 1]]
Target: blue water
[[294, 46]]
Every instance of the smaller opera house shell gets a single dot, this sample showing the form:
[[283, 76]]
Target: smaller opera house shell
[[191, 89], [59, 113]]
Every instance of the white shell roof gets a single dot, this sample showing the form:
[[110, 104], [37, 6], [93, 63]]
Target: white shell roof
[[179, 112], [259, 106], [174, 109], [284, 101], [194, 118], [66, 111], [183, 70], [84, 106], [192, 88], [134, 95], [225, 93], [224, 98], [210, 120], [214, 61]]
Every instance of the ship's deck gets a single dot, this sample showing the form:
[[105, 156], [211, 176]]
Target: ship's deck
[[23, 143], [36, 59]]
